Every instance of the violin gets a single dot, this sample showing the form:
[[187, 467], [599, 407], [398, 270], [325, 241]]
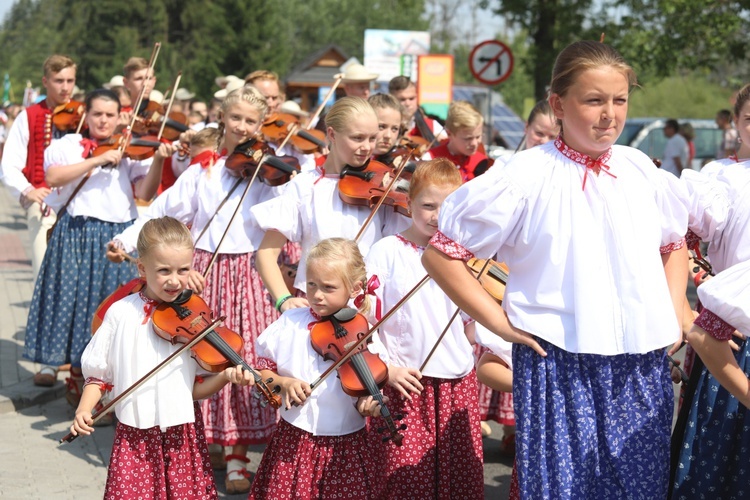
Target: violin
[[278, 125], [397, 155], [254, 154], [364, 374], [151, 117], [366, 185], [493, 278], [66, 117], [135, 148], [419, 145], [186, 317]]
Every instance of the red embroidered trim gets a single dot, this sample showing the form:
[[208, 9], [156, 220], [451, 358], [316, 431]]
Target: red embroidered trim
[[103, 386], [409, 243], [148, 307], [596, 165], [671, 247], [265, 364], [450, 247], [692, 240], [714, 325]]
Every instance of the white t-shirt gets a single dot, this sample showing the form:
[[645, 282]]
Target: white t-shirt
[[676, 147]]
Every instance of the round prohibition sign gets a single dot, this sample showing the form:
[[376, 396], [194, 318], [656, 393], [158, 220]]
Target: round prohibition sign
[[491, 62]]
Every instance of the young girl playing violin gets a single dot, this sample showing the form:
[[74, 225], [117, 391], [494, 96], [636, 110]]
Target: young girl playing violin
[[320, 448], [440, 403], [159, 450], [74, 279], [591, 384], [390, 121], [311, 209], [233, 288]]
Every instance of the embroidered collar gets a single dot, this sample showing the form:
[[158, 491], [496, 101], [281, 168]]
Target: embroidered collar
[[148, 306], [409, 243], [595, 165]]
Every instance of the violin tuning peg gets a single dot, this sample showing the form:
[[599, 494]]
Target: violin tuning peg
[[263, 403], [381, 430], [276, 389], [399, 416], [402, 427], [386, 439], [255, 394], [269, 380]]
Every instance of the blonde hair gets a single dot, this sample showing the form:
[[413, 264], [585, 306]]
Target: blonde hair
[[582, 56], [206, 137], [248, 94], [344, 110], [461, 114], [166, 231], [56, 63], [439, 172], [343, 257], [134, 64], [385, 101], [261, 74]]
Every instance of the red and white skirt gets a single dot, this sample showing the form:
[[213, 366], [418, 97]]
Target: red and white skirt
[[442, 455], [150, 464], [298, 465], [234, 289], [494, 405]]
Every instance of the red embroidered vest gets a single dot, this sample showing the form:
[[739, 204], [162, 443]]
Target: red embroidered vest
[[466, 164], [40, 135]]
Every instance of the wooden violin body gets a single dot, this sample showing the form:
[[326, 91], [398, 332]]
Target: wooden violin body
[[66, 117], [278, 125], [138, 148], [185, 318], [151, 117], [253, 154], [366, 185], [365, 373], [493, 276]]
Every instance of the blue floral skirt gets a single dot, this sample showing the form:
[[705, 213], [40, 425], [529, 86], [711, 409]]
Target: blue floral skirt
[[714, 460], [74, 279], [591, 426]]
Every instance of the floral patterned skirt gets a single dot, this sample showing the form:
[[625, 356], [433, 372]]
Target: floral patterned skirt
[[591, 426]]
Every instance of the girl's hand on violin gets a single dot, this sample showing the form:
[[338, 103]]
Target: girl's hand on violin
[[405, 380], [293, 390], [237, 375], [369, 406], [82, 424], [196, 282], [111, 157], [165, 150], [293, 303]]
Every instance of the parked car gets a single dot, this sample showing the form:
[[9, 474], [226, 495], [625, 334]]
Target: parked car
[[647, 134]]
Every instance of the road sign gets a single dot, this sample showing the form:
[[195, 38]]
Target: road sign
[[491, 62]]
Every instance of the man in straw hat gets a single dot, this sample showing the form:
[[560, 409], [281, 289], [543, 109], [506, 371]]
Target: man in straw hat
[[357, 81]]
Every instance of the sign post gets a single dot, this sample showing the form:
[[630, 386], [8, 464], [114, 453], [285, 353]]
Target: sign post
[[491, 62]]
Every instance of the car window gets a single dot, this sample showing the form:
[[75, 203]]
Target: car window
[[653, 144], [628, 133], [707, 142]]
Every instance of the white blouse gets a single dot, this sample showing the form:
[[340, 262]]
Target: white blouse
[[586, 271], [124, 349], [495, 343], [329, 411], [107, 194], [727, 296], [194, 198], [719, 208], [311, 210], [413, 330]]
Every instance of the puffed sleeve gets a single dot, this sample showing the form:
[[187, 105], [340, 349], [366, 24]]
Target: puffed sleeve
[[707, 204], [95, 360], [138, 169], [267, 345], [726, 302], [284, 212], [480, 216], [63, 151], [670, 196]]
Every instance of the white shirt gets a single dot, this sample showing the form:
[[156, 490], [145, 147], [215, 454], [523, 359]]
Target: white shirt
[[586, 271], [676, 147], [108, 193], [14, 157], [495, 343], [413, 330], [718, 204], [124, 349], [728, 296], [311, 210], [328, 411], [194, 198]]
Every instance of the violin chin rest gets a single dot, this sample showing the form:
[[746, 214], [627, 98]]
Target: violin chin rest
[[183, 297], [345, 314]]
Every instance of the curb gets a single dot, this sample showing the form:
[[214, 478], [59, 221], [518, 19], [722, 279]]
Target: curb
[[25, 394]]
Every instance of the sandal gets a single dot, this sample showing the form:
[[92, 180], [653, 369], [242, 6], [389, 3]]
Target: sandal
[[238, 477], [74, 387], [46, 377]]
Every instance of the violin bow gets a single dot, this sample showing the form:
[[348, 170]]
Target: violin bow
[[239, 204], [388, 189], [450, 322], [80, 123], [169, 106], [151, 64], [352, 350], [70, 436], [337, 81]]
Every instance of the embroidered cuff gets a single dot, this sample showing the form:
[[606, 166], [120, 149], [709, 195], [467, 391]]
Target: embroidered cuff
[[265, 364], [450, 247], [103, 386], [714, 325], [671, 247], [691, 239]]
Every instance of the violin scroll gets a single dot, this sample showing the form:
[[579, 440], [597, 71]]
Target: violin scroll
[[66, 117]]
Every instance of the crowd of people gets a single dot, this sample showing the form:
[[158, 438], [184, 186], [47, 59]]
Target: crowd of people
[[544, 289]]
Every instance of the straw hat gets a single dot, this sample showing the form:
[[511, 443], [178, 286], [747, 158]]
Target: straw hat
[[222, 81], [115, 81], [358, 73], [293, 108], [231, 87], [183, 94], [155, 96]]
